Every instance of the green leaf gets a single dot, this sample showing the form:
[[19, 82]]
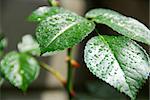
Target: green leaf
[[124, 25], [1, 81], [118, 61], [19, 69], [3, 43], [43, 12], [29, 45], [62, 31]]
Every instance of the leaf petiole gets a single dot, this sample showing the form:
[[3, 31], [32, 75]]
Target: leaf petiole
[[54, 72]]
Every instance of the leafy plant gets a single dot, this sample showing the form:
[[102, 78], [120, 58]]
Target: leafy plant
[[117, 60]]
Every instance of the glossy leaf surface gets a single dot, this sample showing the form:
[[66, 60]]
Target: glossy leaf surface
[[44, 12], [62, 31]]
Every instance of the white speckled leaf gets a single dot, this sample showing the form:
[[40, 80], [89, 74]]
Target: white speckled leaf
[[62, 31], [124, 25], [118, 61], [19, 69], [29, 45]]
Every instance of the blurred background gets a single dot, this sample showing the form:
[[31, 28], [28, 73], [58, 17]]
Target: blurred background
[[13, 15]]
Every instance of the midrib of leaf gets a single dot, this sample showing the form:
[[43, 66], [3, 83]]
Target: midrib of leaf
[[62, 31], [114, 54]]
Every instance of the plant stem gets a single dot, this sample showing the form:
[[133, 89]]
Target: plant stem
[[70, 68], [69, 75], [54, 73]]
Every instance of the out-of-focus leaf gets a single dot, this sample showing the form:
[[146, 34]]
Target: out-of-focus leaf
[[1, 81], [3, 43], [29, 45], [19, 69]]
